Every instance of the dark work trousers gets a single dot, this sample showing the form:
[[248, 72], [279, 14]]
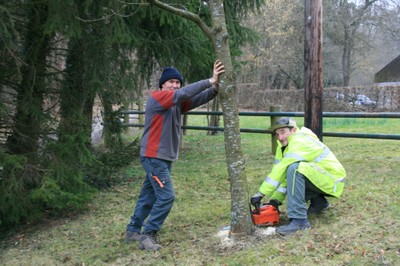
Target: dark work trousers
[[155, 200], [299, 191]]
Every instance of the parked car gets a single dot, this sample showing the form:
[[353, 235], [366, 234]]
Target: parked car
[[363, 100]]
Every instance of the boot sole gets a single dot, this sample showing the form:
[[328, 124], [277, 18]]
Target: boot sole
[[292, 232]]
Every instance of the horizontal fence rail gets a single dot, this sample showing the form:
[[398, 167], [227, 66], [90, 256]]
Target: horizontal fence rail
[[291, 114]]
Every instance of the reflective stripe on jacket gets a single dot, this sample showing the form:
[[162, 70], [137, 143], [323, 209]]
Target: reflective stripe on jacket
[[317, 163]]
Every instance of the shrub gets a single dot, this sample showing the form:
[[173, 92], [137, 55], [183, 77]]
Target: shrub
[[104, 173]]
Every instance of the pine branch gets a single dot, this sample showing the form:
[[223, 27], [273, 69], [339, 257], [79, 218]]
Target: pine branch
[[185, 14]]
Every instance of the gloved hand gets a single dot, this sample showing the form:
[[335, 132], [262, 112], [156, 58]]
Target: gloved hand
[[256, 199], [274, 203]]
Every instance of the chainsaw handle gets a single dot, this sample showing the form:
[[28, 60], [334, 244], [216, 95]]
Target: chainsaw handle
[[257, 207]]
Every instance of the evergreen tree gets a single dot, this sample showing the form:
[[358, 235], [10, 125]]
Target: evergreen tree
[[30, 117], [20, 171], [74, 50], [9, 66]]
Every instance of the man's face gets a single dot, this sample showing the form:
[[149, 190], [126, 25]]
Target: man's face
[[282, 134], [171, 84]]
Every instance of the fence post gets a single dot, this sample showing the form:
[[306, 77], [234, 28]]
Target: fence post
[[182, 131], [274, 108]]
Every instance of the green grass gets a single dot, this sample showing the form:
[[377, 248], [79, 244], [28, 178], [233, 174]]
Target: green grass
[[330, 124], [361, 229]]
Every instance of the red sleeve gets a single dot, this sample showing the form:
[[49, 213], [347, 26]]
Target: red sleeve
[[164, 98]]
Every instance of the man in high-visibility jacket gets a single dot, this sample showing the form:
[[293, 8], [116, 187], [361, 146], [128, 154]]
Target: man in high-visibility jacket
[[304, 170]]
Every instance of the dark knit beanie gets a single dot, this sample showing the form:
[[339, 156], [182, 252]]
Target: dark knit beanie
[[170, 73]]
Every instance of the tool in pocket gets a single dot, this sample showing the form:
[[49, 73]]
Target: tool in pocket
[[158, 181]]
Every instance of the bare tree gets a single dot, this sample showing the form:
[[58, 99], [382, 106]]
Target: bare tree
[[279, 52], [347, 16], [276, 61]]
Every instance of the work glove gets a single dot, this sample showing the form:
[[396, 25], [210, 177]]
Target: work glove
[[256, 199], [274, 203]]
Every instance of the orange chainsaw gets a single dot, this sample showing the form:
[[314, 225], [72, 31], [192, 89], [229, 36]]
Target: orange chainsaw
[[264, 215]]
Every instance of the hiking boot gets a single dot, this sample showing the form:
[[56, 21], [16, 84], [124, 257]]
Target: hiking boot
[[132, 236], [317, 205], [148, 241], [312, 209], [293, 226]]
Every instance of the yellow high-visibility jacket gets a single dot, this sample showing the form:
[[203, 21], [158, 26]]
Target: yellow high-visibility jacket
[[316, 162]]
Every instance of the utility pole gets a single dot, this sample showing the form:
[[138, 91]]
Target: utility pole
[[313, 66]]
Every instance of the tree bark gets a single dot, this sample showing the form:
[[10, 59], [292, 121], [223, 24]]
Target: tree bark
[[313, 66], [72, 96], [241, 224], [346, 57], [240, 216], [112, 130], [214, 119]]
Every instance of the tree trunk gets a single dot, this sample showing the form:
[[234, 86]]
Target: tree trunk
[[88, 113], [126, 117], [346, 57], [112, 126], [29, 117], [214, 119], [240, 215], [313, 66], [241, 224], [72, 96], [140, 102]]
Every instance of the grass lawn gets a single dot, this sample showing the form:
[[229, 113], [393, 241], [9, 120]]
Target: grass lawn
[[362, 228]]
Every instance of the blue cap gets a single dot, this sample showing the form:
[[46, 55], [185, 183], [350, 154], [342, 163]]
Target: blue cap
[[170, 73]]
